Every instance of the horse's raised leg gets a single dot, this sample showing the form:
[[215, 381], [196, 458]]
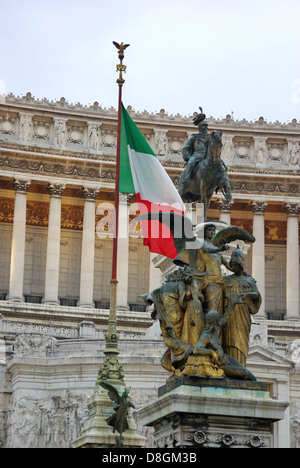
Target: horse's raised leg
[[225, 186]]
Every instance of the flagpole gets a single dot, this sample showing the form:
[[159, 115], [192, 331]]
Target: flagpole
[[111, 370], [114, 279]]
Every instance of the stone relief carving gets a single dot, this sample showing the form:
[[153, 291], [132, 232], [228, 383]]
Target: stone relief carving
[[41, 130], [265, 187], [295, 424], [3, 425], [109, 138], [67, 170], [226, 440], [227, 150], [175, 144], [293, 352], [275, 151], [242, 149], [142, 399], [161, 145], [50, 330], [294, 153], [60, 133], [7, 125], [260, 151], [75, 135], [33, 344], [93, 137], [51, 422], [26, 127]]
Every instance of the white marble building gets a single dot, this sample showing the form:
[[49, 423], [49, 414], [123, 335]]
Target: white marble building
[[57, 170]]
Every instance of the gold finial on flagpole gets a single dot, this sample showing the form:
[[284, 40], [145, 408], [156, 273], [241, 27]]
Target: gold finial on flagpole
[[120, 67]]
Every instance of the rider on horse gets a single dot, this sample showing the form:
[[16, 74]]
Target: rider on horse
[[193, 152]]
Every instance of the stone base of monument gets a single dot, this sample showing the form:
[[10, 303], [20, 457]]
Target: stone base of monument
[[208, 413], [96, 433]]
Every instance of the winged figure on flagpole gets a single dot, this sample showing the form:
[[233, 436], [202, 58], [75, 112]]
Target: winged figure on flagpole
[[121, 47]]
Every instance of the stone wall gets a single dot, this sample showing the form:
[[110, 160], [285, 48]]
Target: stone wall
[[45, 381]]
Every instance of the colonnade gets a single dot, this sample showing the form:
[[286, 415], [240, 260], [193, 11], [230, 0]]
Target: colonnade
[[292, 211], [51, 291], [55, 190]]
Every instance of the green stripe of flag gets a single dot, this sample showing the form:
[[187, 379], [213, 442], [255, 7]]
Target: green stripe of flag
[[130, 135]]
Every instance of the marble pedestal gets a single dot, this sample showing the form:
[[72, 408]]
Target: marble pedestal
[[96, 433], [208, 413]]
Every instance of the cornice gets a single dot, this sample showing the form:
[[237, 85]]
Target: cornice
[[97, 111]]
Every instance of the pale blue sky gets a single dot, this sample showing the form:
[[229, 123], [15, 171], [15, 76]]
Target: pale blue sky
[[240, 56]]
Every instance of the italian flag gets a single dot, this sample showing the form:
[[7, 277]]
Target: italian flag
[[142, 173]]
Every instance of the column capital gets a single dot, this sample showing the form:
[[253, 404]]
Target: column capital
[[130, 197], [292, 209], [225, 205], [258, 207], [90, 193], [125, 198], [21, 185], [55, 189]]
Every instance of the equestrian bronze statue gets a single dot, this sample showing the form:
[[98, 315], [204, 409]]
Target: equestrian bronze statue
[[205, 171]]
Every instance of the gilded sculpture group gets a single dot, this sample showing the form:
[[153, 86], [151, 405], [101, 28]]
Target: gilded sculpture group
[[204, 315]]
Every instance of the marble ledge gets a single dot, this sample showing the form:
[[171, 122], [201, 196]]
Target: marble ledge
[[10, 308], [62, 105], [214, 401]]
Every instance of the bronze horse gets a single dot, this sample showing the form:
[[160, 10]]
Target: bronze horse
[[209, 175]]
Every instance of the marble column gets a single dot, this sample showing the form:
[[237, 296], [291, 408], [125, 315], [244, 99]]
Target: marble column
[[16, 281], [88, 248], [155, 276], [292, 261], [225, 210], [53, 244], [258, 251], [123, 253]]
